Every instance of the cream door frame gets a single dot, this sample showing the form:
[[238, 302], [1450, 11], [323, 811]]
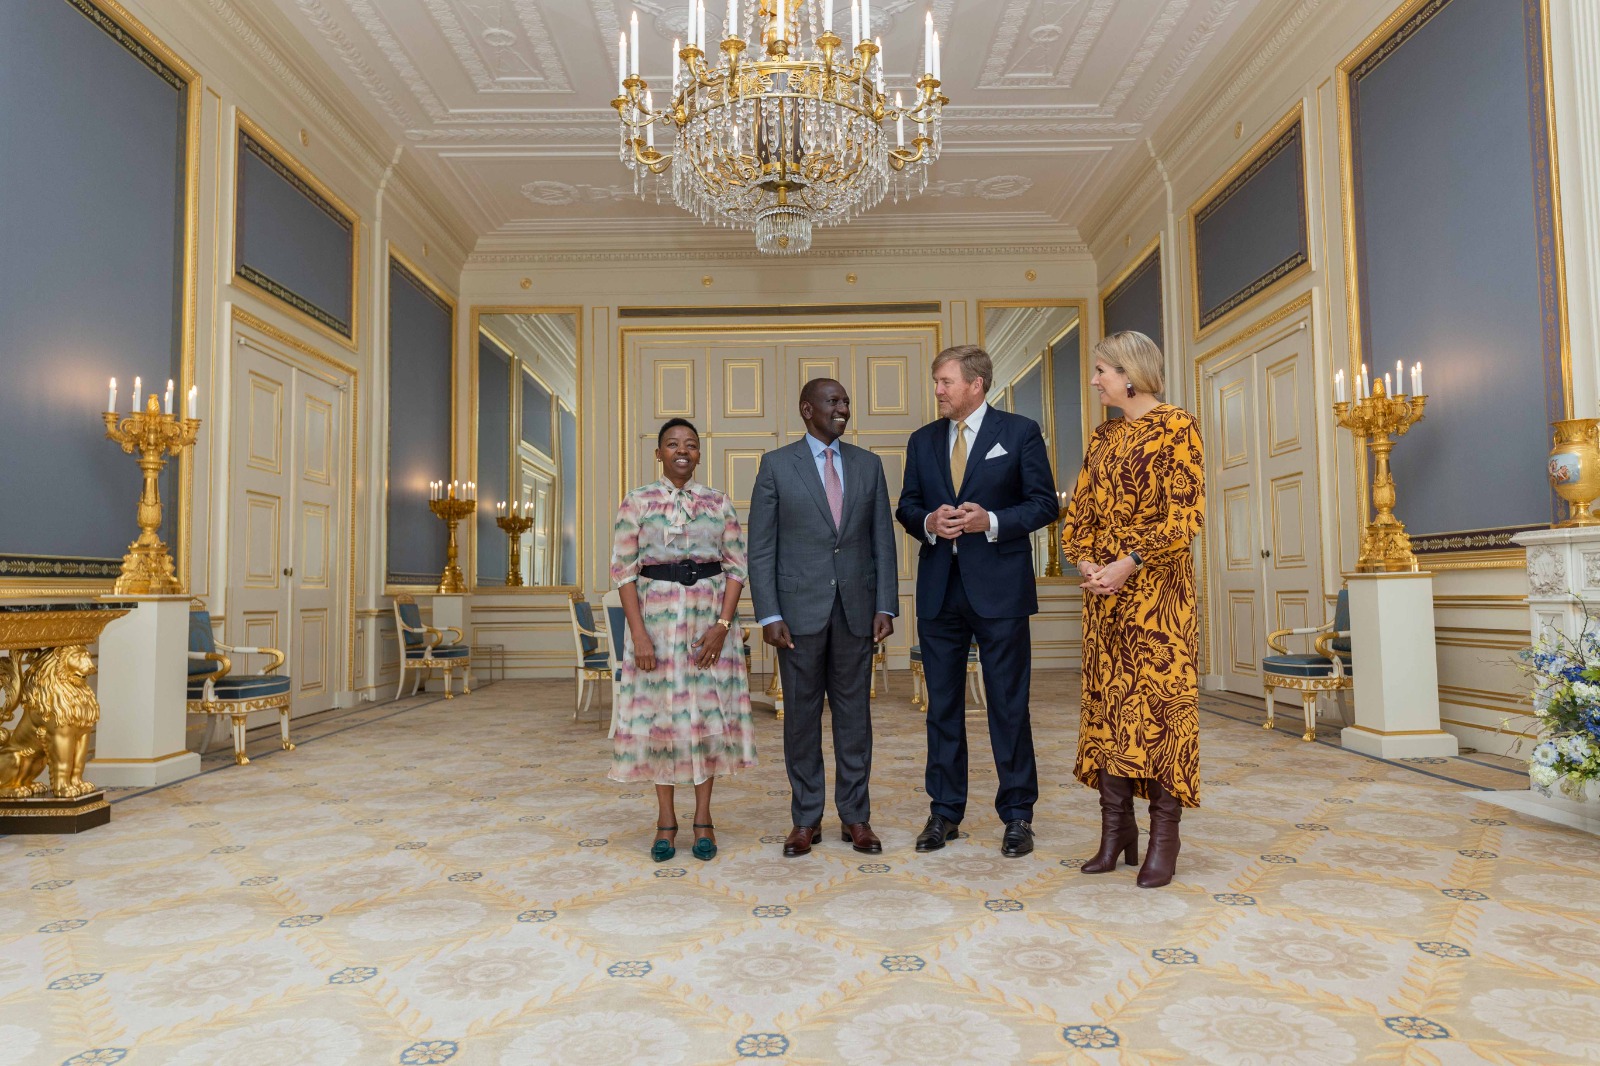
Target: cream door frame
[[246, 328]]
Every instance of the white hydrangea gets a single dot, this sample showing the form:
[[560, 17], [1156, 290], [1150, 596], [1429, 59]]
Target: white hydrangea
[[1542, 777]]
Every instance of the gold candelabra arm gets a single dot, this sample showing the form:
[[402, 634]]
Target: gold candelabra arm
[[147, 568], [899, 158], [1378, 420], [515, 527], [452, 510]]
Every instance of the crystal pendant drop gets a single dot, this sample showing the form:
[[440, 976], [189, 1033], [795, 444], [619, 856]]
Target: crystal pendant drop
[[783, 231]]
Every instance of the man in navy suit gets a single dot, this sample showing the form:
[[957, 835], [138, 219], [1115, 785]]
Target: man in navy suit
[[977, 484]]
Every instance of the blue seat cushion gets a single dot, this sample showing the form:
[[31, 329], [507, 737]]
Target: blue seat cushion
[[1299, 665], [597, 661], [249, 687], [451, 651]]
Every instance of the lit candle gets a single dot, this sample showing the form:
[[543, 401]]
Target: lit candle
[[650, 130], [899, 121], [138, 385], [1338, 386], [927, 43], [1366, 382], [733, 18], [622, 63], [1416, 380], [166, 404], [781, 22], [1388, 386], [1400, 371], [936, 54], [194, 401], [633, 44], [855, 23], [866, 19], [700, 26], [111, 403], [827, 15]]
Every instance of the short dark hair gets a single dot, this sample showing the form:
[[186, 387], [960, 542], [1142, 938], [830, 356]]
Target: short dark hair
[[808, 391], [673, 423]]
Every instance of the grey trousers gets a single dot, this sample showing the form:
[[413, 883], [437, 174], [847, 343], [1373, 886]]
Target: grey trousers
[[837, 664]]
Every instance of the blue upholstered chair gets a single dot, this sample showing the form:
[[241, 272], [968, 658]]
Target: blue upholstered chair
[[593, 662], [1326, 669], [975, 688], [424, 652], [214, 690], [616, 637]]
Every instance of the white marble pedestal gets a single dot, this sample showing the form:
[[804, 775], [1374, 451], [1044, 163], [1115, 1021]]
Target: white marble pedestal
[[1396, 669], [450, 610], [143, 670]]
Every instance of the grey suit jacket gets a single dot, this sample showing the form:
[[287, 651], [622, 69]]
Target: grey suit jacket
[[799, 560]]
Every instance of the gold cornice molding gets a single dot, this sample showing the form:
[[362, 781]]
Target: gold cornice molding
[[543, 258]]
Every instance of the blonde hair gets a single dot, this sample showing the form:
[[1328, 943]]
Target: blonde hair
[[975, 363], [1136, 356]]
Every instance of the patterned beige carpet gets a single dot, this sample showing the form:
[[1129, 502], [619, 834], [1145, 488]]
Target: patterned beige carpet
[[433, 882]]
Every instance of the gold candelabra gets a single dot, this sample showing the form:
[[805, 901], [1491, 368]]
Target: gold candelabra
[[515, 527], [452, 509], [1380, 419], [1053, 567], [147, 568]]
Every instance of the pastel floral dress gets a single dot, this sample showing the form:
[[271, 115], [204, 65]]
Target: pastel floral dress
[[679, 724], [1142, 489]]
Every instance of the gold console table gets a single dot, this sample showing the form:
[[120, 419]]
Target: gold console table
[[48, 715]]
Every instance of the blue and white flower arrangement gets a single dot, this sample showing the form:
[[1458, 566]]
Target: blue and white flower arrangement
[[1566, 707]]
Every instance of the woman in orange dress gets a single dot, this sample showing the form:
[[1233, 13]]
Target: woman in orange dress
[[1136, 509]]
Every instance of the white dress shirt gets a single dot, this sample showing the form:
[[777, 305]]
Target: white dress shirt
[[974, 423]]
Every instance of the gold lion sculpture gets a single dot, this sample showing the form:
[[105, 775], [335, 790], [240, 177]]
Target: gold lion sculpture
[[59, 713]]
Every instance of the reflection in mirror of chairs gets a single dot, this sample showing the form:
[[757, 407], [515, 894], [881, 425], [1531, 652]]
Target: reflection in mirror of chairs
[[975, 689], [214, 690], [424, 652], [594, 663], [1326, 669]]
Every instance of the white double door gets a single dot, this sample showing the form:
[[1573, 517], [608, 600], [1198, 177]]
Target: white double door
[[1265, 552], [288, 514]]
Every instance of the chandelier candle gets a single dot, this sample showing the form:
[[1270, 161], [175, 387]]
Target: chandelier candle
[[780, 129]]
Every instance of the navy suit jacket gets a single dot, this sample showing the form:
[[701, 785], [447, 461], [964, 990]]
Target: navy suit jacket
[[1017, 486]]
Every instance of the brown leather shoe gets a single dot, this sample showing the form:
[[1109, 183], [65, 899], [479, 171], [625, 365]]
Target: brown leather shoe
[[801, 837], [861, 837]]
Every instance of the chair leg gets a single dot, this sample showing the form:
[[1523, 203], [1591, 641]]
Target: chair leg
[[1271, 709], [400, 689], [239, 757], [916, 684], [577, 700], [283, 724], [447, 694], [416, 679], [466, 679], [1309, 702]]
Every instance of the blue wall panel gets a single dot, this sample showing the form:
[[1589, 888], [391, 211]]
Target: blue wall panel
[[293, 242], [494, 459], [1136, 303], [537, 428], [568, 425], [92, 137], [1067, 397], [1450, 156], [421, 329], [1253, 232], [1027, 394]]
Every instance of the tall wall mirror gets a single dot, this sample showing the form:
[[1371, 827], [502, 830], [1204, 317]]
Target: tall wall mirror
[[1040, 370], [525, 446]]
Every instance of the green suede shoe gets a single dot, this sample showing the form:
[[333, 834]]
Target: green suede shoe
[[662, 850], [704, 847]]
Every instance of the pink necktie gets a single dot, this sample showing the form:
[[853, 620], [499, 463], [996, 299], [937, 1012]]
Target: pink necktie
[[834, 487]]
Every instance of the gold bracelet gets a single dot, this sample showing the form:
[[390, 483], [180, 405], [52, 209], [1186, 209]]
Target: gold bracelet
[[724, 623]]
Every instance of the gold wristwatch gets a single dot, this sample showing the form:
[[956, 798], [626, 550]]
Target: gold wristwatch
[[724, 623]]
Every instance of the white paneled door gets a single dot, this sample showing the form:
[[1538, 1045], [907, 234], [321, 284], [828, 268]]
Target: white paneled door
[[1265, 550], [289, 494]]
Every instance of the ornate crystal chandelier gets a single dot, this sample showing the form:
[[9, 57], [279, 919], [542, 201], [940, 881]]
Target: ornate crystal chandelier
[[782, 130]]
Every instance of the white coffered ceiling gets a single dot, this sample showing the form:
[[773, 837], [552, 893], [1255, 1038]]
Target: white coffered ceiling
[[506, 103]]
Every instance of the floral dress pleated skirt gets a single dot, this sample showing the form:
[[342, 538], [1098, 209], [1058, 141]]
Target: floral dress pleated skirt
[[679, 724]]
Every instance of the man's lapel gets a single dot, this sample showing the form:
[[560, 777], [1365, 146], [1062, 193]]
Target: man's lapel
[[806, 469], [988, 434], [941, 456]]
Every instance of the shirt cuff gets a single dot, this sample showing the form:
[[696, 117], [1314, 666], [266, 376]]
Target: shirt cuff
[[994, 527], [769, 619], [933, 538], [627, 580]]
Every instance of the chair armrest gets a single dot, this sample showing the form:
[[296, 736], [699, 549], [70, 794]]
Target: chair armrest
[[597, 634], [1275, 638], [427, 633], [1324, 644], [458, 638], [224, 664], [278, 657]]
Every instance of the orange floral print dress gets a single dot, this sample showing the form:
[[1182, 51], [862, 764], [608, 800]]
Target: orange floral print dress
[[1142, 489]]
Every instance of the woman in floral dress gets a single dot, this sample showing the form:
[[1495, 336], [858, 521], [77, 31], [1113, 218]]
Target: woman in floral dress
[[678, 557], [1138, 504]]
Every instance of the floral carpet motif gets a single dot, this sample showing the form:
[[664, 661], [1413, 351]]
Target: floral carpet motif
[[429, 882]]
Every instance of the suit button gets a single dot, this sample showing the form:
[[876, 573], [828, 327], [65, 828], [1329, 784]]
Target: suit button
[[831, 581], [836, 551]]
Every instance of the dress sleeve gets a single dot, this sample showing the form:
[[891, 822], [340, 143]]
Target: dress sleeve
[[735, 557], [625, 542], [1178, 483], [1078, 527]]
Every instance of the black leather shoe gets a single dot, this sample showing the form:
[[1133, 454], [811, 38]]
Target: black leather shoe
[[938, 830], [1018, 840]]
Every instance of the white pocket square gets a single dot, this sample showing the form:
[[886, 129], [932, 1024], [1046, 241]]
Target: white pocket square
[[995, 452]]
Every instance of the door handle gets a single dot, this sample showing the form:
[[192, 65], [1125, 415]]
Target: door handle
[[288, 571], [1266, 553]]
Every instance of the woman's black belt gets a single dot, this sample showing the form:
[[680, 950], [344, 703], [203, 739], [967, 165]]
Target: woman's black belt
[[684, 572]]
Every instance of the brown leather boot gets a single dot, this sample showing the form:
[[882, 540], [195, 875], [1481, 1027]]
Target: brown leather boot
[[1161, 854], [1119, 832]]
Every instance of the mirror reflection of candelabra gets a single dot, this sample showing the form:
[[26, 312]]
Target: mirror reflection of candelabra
[[515, 526], [1380, 416], [154, 433], [452, 501]]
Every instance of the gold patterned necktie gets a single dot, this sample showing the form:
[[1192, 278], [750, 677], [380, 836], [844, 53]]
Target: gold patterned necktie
[[958, 456]]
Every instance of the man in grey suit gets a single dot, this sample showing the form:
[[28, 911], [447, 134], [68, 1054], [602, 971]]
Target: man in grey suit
[[825, 587]]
